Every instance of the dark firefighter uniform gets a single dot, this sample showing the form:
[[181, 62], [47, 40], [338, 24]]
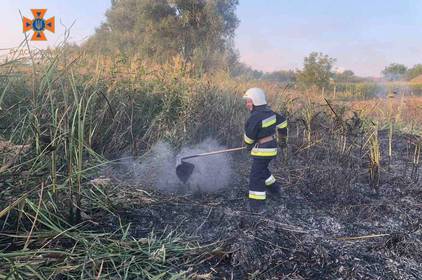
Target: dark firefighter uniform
[[262, 130]]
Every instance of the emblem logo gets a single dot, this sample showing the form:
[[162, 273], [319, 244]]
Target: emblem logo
[[38, 24]]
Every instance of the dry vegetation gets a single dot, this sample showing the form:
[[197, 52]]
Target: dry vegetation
[[351, 177], [403, 110]]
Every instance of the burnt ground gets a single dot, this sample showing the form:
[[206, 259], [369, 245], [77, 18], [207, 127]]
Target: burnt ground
[[328, 223]]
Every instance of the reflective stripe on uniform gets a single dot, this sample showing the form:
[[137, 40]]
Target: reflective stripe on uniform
[[248, 140], [264, 152], [269, 121], [270, 180], [257, 195], [282, 125]]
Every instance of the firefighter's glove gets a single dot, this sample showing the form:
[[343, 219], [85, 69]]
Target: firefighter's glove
[[249, 147]]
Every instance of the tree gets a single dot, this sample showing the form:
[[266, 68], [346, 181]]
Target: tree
[[394, 72], [200, 31], [281, 76], [415, 71], [347, 76], [316, 70], [244, 71]]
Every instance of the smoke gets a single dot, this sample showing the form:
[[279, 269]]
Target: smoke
[[157, 168], [211, 173], [384, 91], [381, 91]]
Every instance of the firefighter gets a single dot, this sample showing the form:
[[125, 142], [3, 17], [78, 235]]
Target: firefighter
[[264, 131]]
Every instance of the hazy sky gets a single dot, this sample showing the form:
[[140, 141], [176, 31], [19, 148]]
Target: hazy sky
[[364, 36]]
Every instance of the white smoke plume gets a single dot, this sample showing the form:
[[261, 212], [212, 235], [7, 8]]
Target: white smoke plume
[[157, 168]]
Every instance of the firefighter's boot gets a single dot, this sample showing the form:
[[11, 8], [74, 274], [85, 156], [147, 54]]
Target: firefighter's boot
[[257, 206], [274, 191]]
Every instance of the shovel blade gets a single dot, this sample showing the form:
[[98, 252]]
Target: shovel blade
[[184, 170]]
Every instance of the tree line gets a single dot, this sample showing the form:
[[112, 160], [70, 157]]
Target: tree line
[[399, 72], [202, 32]]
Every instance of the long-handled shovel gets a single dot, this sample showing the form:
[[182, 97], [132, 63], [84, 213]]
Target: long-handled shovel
[[185, 169]]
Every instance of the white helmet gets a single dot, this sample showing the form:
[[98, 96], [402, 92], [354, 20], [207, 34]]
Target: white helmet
[[257, 95]]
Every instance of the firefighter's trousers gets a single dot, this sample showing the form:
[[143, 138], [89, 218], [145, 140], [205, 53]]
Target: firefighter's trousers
[[260, 179]]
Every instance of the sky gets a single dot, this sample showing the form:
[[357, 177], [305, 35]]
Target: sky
[[364, 36]]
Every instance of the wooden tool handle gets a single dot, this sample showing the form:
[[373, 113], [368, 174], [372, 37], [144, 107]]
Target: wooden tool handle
[[214, 153]]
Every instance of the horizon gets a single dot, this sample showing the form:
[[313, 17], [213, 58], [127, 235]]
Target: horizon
[[272, 37]]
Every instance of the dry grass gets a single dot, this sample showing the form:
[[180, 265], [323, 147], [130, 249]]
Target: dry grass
[[405, 110]]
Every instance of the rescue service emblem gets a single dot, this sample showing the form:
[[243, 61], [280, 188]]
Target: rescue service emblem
[[38, 24]]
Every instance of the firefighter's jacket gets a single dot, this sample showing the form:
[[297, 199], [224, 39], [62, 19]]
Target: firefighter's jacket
[[264, 122]]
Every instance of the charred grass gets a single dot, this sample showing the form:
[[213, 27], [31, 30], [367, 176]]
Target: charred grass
[[329, 223]]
